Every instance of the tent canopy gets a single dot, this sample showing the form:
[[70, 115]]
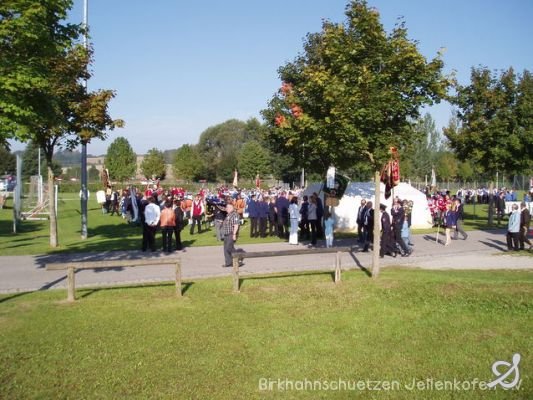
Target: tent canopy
[[346, 212]]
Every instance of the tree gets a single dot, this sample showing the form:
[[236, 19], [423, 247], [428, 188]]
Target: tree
[[153, 165], [495, 112], [121, 160], [8, 161], [253, 159], [352, 94], [446, 165], [187, 163], [30, 163], [220, 145], [42, 69], [425, 147]]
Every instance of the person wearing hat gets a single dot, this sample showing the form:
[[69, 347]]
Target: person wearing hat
[[387, 243]]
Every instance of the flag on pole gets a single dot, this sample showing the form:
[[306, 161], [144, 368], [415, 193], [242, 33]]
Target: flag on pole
[[257, 181], [302, 179], [433, 178]]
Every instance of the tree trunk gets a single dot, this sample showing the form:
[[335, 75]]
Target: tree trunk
[[52, 207], [377, 200]]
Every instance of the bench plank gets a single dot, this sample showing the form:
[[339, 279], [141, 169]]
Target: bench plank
[[72, 266], [239, 255]]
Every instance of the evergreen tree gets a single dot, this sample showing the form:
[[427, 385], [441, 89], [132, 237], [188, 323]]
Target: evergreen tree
[[153, 165], [121, 160]]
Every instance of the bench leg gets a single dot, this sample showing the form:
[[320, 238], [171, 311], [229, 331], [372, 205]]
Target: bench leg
[[338, 267], [178, 279], [71, 289]]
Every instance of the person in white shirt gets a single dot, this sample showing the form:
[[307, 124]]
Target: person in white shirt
[[152, 213]]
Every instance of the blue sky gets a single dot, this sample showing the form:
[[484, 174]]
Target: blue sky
[[181, 66]]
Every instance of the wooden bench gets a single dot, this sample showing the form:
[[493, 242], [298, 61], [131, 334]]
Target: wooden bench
[[72, 266], [237, 256]]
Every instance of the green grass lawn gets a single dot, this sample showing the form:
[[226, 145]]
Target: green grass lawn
[[143, 342]]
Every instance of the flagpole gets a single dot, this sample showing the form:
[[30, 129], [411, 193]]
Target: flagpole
[[84, 141]]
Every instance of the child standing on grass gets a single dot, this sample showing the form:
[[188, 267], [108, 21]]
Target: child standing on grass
[[328, 226]]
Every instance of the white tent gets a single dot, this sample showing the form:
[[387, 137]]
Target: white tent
[[346, 211]]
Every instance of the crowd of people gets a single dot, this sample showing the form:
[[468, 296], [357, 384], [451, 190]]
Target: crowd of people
[[293, 216]]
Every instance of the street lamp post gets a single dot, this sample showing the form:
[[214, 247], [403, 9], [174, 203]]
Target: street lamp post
[[84, 142]]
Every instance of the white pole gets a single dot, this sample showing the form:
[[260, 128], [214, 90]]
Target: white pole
[[40, 180]]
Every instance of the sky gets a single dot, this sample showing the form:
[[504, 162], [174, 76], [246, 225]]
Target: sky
[[179, 67]]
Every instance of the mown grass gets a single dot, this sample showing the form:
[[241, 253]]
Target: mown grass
[[144, 342]]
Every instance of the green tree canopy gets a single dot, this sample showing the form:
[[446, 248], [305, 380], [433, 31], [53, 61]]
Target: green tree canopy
[[121, 160], [496, 121], [352, 94], [188, 164], [219, 145], [153, 165], [30, 163], [254, 159], [42, 96], [8, 161]]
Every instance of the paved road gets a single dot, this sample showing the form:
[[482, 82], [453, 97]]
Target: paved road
[[482, 250]]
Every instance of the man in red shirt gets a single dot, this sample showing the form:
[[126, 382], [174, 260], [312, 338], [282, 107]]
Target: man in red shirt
[[198, 211]]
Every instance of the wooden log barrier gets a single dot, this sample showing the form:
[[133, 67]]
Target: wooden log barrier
[[237, 256], [72, 266]]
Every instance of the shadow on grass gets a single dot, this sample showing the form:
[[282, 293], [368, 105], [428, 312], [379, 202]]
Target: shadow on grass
[[358, 263], [6, 227], [89, 292], [13, 296], [285, 275]]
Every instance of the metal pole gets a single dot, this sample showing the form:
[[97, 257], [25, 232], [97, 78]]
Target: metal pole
[[84, 142]]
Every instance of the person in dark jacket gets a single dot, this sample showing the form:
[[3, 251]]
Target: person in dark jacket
[[304, 220], [272, 217], [263, 209], [398, 217], [253, 214], [459, 211], [387, 241], [525, 220], [368, 225], [178, 212]]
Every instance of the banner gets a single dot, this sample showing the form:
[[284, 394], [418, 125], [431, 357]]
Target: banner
[[338, 188]]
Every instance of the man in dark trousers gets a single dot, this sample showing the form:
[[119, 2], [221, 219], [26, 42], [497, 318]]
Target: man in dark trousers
[[459, 210], [387, 244], [398, 216], [360, 221], [230, 229], [525, 219], [253, 214], [152, 213], [368, 225]]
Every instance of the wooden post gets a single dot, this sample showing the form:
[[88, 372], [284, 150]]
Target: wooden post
[[236, 274], [71, 295], [178, 278], [338, 267], [377, 219]]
